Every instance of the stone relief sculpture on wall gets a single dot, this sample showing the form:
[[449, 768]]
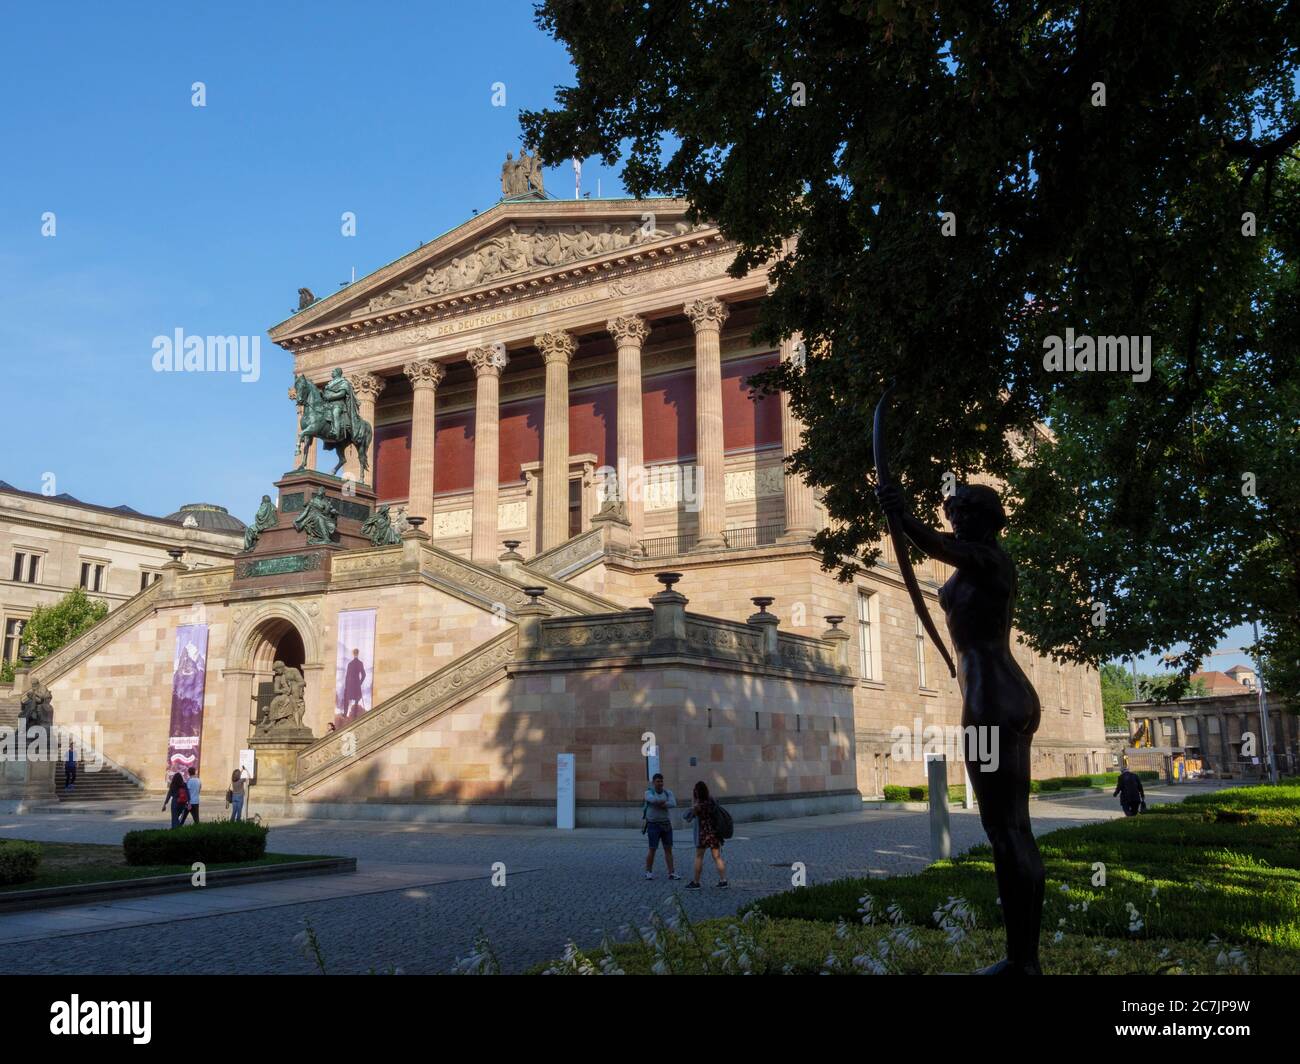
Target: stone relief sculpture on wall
[[513, 252]]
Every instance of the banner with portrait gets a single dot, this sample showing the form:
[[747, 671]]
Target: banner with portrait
[[189, 679], [354, 665]]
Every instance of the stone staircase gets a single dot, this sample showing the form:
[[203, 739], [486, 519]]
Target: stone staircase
[[106, 785]]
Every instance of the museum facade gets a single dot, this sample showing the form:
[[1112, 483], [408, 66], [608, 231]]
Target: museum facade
[[590, 547]]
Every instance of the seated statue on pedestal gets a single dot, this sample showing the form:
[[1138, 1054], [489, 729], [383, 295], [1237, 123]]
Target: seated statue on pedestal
[[286, 709], [37, 707]]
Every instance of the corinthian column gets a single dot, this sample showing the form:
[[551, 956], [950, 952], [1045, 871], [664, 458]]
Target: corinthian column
[[366, 387], [556, 348], [488, 362], [707, 315], [425, 375], [629, 333], [800, 514]]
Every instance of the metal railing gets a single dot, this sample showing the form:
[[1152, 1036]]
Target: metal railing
[[754, 535], [737, 539], [667, 546]]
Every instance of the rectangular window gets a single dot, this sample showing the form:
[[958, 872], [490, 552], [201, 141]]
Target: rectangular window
[[13, 639], [27, 567], [147, 577], [920, 654], [868, 637], [92, 576], [575, 507]]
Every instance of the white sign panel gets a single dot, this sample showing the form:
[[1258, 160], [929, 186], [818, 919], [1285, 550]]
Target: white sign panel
[[247, 764], [564, 791]]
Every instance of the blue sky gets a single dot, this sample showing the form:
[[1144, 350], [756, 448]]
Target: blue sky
[[208, 219]]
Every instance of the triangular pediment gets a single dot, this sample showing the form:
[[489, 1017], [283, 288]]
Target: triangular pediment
[[514, 242]]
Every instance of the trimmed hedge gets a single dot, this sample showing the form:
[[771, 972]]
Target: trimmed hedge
[[896, 793], [219, 842], [18, 861]]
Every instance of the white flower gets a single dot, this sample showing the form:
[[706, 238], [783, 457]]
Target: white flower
[[1058, 936]]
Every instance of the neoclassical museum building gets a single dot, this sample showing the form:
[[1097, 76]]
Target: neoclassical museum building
[[594, 551]]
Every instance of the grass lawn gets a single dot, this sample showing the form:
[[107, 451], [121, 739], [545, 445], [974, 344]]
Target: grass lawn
[[65, 863], [1211, 884]]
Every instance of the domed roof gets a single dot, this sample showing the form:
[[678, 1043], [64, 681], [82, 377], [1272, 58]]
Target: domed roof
[[207, 516]]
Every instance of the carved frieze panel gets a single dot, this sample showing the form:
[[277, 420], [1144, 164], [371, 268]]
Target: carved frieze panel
[[600, 635], [517, 251]]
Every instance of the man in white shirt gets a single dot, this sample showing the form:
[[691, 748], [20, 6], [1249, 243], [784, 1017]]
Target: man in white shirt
[[659, 825]]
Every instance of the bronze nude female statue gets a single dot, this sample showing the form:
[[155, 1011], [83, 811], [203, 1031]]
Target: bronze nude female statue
[[996, 695]]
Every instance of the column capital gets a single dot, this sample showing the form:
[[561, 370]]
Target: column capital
[[628, 329], [706, 313], [556, 346], [424, 373], [367, 385], [489, 359]]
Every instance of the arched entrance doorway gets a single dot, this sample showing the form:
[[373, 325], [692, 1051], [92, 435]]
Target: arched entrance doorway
[[276, 640]]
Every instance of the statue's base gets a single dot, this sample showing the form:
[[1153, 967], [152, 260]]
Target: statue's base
[[276, 765], [282, 556], [29, 773]]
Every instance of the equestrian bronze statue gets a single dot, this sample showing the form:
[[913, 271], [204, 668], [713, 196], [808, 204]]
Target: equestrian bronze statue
[[330, 414]]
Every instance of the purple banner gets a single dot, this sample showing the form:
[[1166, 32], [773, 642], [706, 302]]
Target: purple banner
[[189, 676], [355, 665]]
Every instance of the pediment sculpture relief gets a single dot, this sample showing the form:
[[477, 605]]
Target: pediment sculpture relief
[[513, 252]]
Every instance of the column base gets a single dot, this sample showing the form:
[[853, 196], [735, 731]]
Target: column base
[[796, 535], [711, 543]]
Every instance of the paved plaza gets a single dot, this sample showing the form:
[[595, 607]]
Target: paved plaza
[[422, 891]]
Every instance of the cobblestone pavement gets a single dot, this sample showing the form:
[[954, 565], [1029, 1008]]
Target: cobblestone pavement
[[578, 884]]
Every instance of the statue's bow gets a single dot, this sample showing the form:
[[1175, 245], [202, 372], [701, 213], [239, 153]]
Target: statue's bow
[[895, 523]]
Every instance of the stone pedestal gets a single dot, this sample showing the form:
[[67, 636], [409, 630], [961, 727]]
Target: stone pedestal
[[282, 557], [27, 770], [276, 768]]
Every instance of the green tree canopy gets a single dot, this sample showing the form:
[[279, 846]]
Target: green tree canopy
[[52, 627], [944, 190]]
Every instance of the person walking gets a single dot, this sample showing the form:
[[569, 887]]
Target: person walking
[[659, 825], [178, 796], [235, 796], [70, 768], [192, 785], [707, 835], [1129, 791]]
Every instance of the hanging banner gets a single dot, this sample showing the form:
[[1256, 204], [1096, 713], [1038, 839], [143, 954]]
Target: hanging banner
[[354, 668], [189, 677]]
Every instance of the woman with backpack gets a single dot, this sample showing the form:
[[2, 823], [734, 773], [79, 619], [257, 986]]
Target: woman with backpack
[[179, 797], [708, 834]]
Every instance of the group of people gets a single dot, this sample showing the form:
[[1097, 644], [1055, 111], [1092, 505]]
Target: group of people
[[183, 792], [703, 815]]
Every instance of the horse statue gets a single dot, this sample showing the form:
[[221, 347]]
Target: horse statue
[[330, 415]]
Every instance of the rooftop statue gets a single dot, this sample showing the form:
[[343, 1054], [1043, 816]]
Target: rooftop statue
[[521, 176]]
